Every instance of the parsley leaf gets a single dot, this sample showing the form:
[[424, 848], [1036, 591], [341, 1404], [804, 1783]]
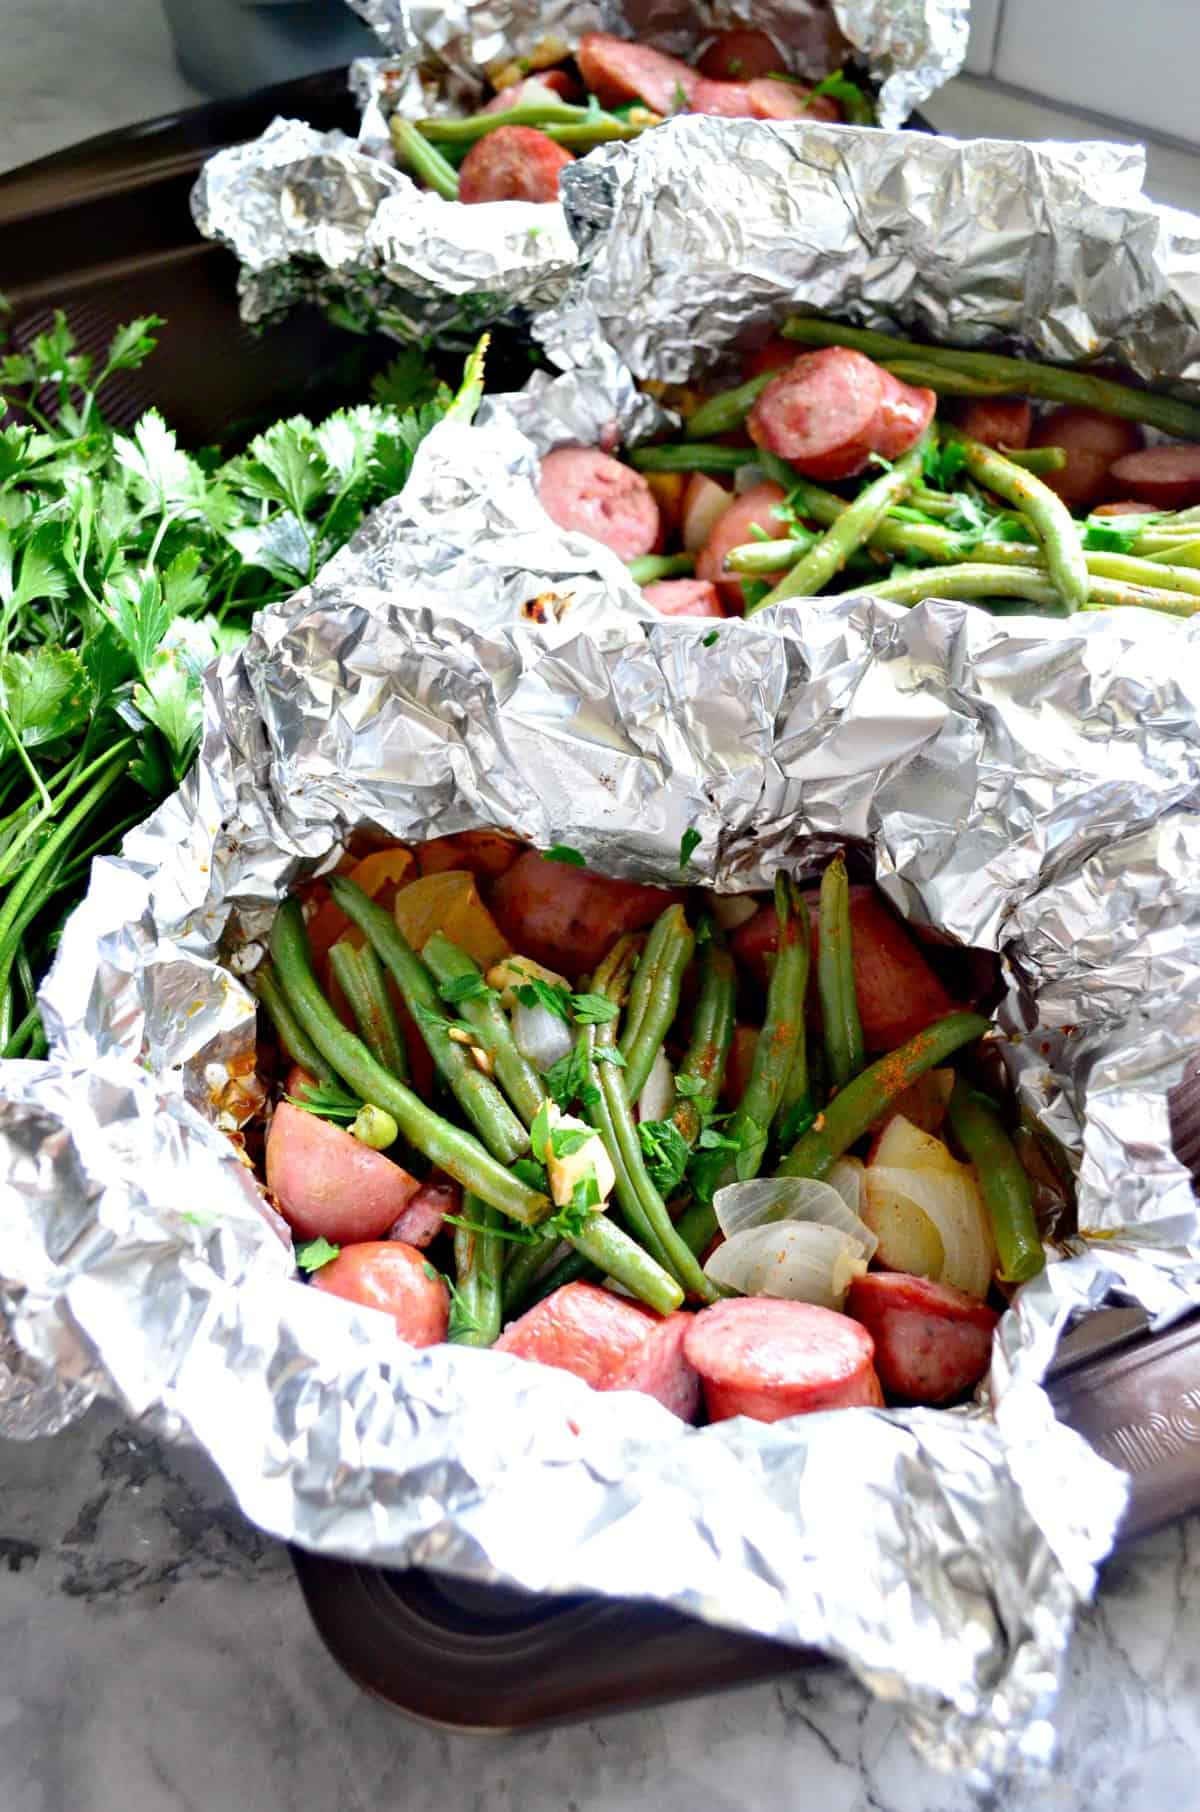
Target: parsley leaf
[[562, 852], [942, 462], [311, 1254], [593, 1009], [708, 640], [517, 1236], [608, 1053], [689, 843], [565, 1141], [585, 1197], [538, 993], [529, 1171], [691, 1088], [328, 1101], [1112, 534], [710, 1140], [567, 1079], [466, 987], [666, 1152], [855, 103]]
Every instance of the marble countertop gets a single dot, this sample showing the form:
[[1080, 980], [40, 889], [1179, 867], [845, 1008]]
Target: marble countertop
[[155, 1653]]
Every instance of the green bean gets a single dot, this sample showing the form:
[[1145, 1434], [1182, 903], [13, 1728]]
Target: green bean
[[423, 159], [1129, 569], [590, 133], [465, 131], [853, 526], [1166, 603], [835, 978], [524, 1267], [359, 974], [976, 1124], [855, 1109], [291, 1035], [514, 1072], [615, 1255], [572, 1268], [824, 507], [446, 1145], [1008, 376], [1047, 513], [698, 1226], [1176, 553], [691, 457], [797, 1109], [654, 996], [476, 1093], [1036, 459], [782, 1029], [984, 580], [651, 567], [760, 557], [728, 409], [479, 1272], [712, 1034]]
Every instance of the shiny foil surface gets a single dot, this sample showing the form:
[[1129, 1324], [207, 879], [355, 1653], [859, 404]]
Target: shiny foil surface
[[319, 217]]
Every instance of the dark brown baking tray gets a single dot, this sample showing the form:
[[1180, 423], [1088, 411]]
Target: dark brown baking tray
[[104, 232]]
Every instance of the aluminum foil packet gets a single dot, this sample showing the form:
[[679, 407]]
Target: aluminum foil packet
[[320, 217]]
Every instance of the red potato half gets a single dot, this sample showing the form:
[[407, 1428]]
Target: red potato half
[[328, 1184], [755, 509], [767, 1359], [394, 1277], [932, 1342], [567, 917], [582, 1329]]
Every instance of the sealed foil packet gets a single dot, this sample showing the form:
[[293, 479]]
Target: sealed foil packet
[[1028, 786], [319, 217]]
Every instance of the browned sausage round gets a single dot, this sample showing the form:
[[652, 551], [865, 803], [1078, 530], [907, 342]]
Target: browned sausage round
[[820, 413], [725, 100], [584, 489], [328, 1184], [772, 100], [1165, 478], [581, 1329], [775, 355], [659, 1368], [683, 598], [1092, 442], [741, 55], [905, 411], [618, 71], [568, 917], [932, 1342], [736, 526], [421, 1222], [997, 421], [1124, 507], [768, 1359], [513, 163], [388, 1275]]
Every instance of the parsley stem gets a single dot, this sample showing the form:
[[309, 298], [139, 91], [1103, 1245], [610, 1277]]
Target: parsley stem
[[22, 754]]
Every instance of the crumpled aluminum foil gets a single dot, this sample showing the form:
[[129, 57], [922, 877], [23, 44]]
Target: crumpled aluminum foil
[[318, 217], [967, 243]]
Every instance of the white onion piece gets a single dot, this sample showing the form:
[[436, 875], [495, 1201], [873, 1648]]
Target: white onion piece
[[733, 909], [799, 1262], [773, 1201], [704, 503], [953, 1203], [847, 1178], [541, 1035], [658, 1095]]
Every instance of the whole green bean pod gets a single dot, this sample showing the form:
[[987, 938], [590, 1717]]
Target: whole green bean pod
[[654, 996], [855, 525], [692, 456], [928, 540], [360, 976], [477, 1094], [650, 567], [1008, 376], [844, 1053], [590, 133], [728, 409], [782, 1029], [873, 1092], [424, 160], [697, 1227], [1037, 459], [525, 1266], [295, 1041], [479, 1274], [474, 126], [446, 1145], [1046, 512], [573, 1267], [712, 1034], [514, 1072], [976, 1124], [603, 1244], [984, 579]]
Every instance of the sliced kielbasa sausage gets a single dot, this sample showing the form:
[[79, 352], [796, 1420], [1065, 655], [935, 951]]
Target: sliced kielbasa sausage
[[683, 598], [513, 163], [1091, 441], [724, 100], [581, 1329], [617, 71], [773, 100], [997, 421], [568, 917], [775, 355], [330, 1185], [741, 55], [932, 1342], [394, 1277], [767, 1359], [820, 412], [421, 1222], [593, 493], [905, 411], [1161, 478], [659, 1368], [1124, 507]]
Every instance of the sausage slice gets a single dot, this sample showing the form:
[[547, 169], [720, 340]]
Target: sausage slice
[[767, 1359], [821, 412], [932, 1342], [1162, 478], [740, 56], [660, 1369], [683, 598], [998, 421], [1091, 441], [617, 71], [513, 163], [421, 1222], [905, 411], [394, 1277], [593, 493], [581, 1329]]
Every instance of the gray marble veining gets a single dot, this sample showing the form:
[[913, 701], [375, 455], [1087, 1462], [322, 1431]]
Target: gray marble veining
[[155, 1655]]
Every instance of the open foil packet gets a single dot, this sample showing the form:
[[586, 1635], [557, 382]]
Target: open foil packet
[[317, 216], [1029, 786]]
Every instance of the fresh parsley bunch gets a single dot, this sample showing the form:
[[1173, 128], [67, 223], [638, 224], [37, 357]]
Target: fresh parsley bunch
[[126, 565]]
